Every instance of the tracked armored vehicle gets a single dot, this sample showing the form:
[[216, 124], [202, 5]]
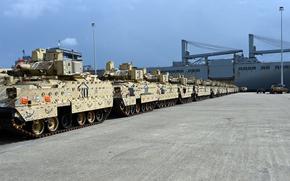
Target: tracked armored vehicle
[[202, 89], [51, 94], [167, 93], [132, 93], [185, 90]]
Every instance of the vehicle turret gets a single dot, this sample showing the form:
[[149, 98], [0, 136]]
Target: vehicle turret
[[52, 94], [157, 76], [126, 71], [50, 62]]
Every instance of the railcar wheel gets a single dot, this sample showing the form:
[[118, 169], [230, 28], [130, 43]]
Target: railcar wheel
[[91, 117], [37, 127], [52, 124], [65, 121], [100, 116]]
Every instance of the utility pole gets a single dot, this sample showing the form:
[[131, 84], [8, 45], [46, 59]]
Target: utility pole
[[281, 9], [94, 47]]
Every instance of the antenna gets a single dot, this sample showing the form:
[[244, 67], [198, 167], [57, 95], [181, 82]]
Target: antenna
[[58, 43], [94, 47]]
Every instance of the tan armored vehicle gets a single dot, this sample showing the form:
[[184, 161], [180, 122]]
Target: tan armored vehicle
[[132, 94], [185, 90], [215, 89], [278, 89], [51, 94], [202, 89], [167, 92]]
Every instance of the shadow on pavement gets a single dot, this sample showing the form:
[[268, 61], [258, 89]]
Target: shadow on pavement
[[8, 137]]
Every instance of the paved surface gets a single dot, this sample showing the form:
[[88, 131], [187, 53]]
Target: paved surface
[[237, 137]]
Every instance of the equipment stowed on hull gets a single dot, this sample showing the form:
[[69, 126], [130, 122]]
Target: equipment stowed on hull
[[46, 96], [132, 94], [50, 94]]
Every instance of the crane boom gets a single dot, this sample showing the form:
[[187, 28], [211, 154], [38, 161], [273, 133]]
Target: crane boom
[[261, 52], [205, 55], [253, 51], [219, 50]]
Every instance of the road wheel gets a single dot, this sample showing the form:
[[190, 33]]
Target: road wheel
[[100, 116], [107, 112], [143, 107], [138, 108], [65, 121], [37, 127], [81, 119], [133, 110], [147, 107], [52, 124], [122, 106], [127, 111], [91, 117]]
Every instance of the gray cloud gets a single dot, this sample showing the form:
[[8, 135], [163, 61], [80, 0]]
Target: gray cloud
[[147, 32], [31, 8], [69, 42]]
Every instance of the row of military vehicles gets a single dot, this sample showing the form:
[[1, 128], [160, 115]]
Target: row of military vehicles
[[50, 93]]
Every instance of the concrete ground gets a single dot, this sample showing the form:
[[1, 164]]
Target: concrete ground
[[238, 137]]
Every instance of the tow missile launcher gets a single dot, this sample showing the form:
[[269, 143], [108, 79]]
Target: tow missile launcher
[[51, 94], [132, 94]]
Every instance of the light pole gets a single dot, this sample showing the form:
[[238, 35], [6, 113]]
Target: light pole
[[281, 9], [94, 47]]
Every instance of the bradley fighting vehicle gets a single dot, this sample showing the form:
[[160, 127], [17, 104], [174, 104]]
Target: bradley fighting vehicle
[[137, 91], [134, 91], [186, 92], [132, 94], [167, 93], [51, 94]]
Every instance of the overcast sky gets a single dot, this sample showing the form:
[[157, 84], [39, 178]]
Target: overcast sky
[[147, 32]]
